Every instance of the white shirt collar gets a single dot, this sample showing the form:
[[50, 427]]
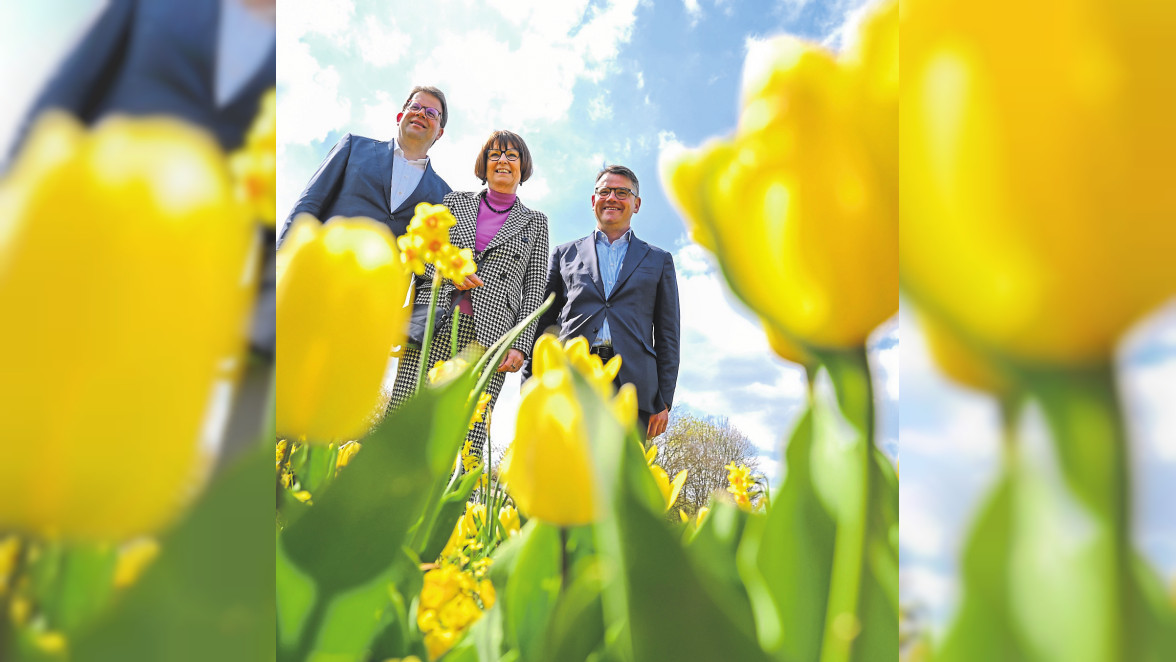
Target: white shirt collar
[[417, 163], [624, 239]]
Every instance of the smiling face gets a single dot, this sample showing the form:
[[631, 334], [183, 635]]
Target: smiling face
[[613, 215], [504, 175], [416, 128]]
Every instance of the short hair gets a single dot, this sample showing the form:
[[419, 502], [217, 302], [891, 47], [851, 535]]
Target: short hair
[[429, 89], [501, 139], [622, 171]]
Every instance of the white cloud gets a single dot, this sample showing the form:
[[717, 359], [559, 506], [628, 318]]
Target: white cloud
[[383, 44], [640, 80], [1148, 393], [846, 34], [600, 109], [693, 10], [310, 96]]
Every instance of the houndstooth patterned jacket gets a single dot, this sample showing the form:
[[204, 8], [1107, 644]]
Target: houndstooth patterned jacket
[[513, 268]]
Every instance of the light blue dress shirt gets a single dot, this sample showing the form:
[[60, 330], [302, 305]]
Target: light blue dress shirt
[[609, 258], [405, 177]]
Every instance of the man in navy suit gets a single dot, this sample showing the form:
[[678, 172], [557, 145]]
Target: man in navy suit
[[622, 295], [384, 180]]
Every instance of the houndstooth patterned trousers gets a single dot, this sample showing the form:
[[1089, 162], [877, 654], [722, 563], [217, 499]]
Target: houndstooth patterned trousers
[[407, 371]]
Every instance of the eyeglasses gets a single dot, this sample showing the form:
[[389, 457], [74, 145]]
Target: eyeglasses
[[621, 192], [496, 154], [431, 113]]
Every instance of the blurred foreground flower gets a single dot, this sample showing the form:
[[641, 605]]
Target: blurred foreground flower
[[1037, 200], [125, 286], [801, 205], [550, 472], [341, 288]]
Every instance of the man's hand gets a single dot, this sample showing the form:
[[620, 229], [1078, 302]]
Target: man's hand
[[657, 423], [513, 361], [469, 283]]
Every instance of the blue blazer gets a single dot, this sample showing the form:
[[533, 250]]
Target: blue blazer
[[642, 313], [148, 58], [356, 180]]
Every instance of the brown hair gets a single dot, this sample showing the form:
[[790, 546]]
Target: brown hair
[[429, 89], [622, 171], [501, 139]]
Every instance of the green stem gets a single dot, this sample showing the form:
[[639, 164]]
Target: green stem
[[1081, 407], [427, 340], [849, 372]]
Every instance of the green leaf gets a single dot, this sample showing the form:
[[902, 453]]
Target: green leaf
[[532, 589], [577, 623], [787, 558], [714, 550], [83, 586], [210, 593], [352, 619], [672, 613], [357, 527]]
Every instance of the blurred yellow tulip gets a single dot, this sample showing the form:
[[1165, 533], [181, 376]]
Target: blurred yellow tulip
[[508, 516], [801, 205], [125, 286], [669, 490], [961, 363], [1038, 211], [550, 470], [341, 288]]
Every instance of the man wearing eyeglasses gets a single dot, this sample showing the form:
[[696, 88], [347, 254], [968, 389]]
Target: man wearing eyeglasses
[[622, 295], [384, 180]]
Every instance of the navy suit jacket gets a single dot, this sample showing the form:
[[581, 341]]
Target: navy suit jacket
[[642, 313], [356, 180], [149, 58]]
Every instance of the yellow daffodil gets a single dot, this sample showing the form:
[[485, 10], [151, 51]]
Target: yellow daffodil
[[550, 471], [346, 452], [444, 371], [740, 480], [340, 295], [125, 288], [451, 601], [669, 491], [254, 166], [509, 518], [455, 264], [651, 455], [413, 252], [438, 642], [701, 517], [1037, 205], [801, 205], [480, 412], [431, 219]]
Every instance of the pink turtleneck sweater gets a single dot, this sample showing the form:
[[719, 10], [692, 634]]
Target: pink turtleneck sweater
[[487, 225]]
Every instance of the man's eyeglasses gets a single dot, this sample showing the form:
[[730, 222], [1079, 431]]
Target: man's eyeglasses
[[431, 113], [496, 154], [621, 192]]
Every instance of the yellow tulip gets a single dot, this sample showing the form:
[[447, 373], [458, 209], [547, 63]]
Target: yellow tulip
[[959, 362], [444, 371], [669, 491], [508, 516], [801, 205], [1037, 197], [341, 288], [346, 452], [550, 470], [125, 291], [254, 166]]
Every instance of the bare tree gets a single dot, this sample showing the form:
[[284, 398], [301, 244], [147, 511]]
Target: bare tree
[[703, 446]]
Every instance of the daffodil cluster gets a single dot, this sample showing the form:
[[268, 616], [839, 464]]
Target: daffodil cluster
[[739, 477], [254, 165], [450, 602], [801, 205], [550, 471], [426, 242]]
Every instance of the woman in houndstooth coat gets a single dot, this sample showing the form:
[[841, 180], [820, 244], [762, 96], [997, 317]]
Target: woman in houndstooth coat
[[510, 245]]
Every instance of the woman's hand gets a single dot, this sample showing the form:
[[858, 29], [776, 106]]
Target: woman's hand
[[512, 362], [469, 283]]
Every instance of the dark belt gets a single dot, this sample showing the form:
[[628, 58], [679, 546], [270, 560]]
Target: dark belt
[[605, 352]]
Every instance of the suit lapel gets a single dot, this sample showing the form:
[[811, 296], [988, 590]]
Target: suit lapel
[[587, 250], [466, 212], [637, 251]]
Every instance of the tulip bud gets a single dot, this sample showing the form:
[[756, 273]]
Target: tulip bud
[[340, 310], [125, 285]]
